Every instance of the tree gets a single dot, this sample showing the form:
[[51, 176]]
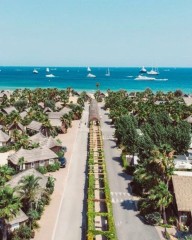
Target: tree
[[9, 207], [5, 174], [126, 133], [161, 195], [29, 189]]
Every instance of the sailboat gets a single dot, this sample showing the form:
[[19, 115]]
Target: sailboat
[[47, 69], [143, 70], [35, 71], [153, 72], [89, 75], [88, 69], [108, 73]]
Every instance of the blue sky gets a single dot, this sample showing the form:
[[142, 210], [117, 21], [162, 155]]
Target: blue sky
[[96, 32]]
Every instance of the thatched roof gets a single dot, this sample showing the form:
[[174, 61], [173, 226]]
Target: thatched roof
[[10, 109], [189, 119], [33, 155], [23, 114], [54, 115], [182, 186], [19, 218], [93, 111], [37, 138], [50, 143], [16, 178], [16, 126], [187, 101], [58, 105], [47, 109], [44, 141], [4, 137], [65, 110], [34, 125]]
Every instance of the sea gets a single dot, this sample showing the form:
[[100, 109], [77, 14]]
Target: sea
[[169, 79]]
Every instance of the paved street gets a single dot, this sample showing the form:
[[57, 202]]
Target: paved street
[[71, 217], [127, 222]]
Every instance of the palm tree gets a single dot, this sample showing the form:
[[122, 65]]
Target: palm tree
[[29, 189], [66, 122], [9, 207], [5, 174], [161, 195]]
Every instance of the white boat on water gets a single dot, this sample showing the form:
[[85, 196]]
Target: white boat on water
[[88, 69], [89, 75], [50, 75], [143, 70], [35, 71], [47, 69], [108, 74], [153, 72], [144, 78]]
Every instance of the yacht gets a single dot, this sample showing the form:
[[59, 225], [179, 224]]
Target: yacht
[[153, 72], [141, 77], [108, 74], [47, 69], [88, 69], [89, 75], [35, 71], [50, 75], [143, 70]]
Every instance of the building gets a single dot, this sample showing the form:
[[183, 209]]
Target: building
[[4, 139], [182, 189], [34, 158]]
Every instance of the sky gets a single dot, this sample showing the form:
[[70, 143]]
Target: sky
[[96, 33]]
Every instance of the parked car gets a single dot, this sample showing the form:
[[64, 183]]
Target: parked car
[[63, 162]]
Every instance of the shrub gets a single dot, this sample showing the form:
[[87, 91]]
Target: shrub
[[153, 218], [53, 167], [42, 169], [5, 149], [23, 232]]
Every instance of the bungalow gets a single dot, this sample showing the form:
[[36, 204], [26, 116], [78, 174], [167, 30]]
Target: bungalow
[[4, 138], [65, 110], [183, 194], [43, 141], [47, 109], [20, 219], [34, 127], [189, 119], [54, 118], [187, 101], [15, 126], [9, 110], [14, 182], [33, 158]]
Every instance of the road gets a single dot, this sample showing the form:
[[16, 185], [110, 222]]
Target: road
[[128, 224], [71, 221]]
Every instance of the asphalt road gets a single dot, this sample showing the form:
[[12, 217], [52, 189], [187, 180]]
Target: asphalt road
[[71, 220], [128, 224]]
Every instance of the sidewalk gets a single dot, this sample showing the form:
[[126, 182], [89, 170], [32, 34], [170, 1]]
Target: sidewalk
[[49, 217]]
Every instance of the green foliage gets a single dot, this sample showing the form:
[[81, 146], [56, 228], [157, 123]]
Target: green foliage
[[42, 169], [5, 148], [21, 104], [153, 218], [53, 167], [23, 232]]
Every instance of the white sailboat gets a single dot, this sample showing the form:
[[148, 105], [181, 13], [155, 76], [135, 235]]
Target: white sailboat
[[50, 75], [143, 70], [153, 72], [108, 74], [89, 75], [47, 69], [88, 69], [144, 78], [35, 71]]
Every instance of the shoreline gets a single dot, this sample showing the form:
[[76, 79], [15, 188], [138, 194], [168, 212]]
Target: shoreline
[[92, 91]]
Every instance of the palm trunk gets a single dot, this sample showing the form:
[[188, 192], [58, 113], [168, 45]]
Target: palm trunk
[[164, 216], [5, 228]]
